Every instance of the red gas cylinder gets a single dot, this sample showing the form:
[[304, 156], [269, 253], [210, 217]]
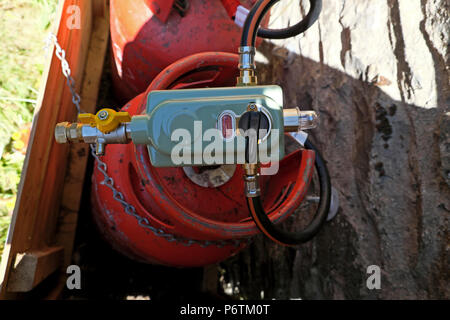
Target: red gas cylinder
[[186, 216], [148, 35]]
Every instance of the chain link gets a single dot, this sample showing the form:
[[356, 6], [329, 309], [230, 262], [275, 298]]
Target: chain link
[[61, 54], [143, 222], [109, 181]]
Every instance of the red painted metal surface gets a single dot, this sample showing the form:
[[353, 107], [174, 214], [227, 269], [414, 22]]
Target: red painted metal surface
[[231, 6], [172, 202], [143, 45], [160, 8]]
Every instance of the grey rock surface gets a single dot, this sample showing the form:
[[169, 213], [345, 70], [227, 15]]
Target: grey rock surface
[[377, 73]]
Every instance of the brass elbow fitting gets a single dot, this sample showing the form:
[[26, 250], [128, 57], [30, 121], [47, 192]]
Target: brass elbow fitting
[[247, 67], [66, 132], [296, 120]]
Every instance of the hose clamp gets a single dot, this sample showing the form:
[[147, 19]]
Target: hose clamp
[[247, 66], [247, 58], [252, 189]]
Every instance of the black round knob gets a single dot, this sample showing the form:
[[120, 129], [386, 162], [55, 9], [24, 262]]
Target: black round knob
[[254, 120], [255, 125]]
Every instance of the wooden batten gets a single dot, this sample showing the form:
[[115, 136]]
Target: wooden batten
[[41, 234], [32, 267]]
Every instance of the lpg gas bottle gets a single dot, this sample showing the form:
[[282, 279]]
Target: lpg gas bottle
[[187, 216], [155, 208], [148, 35]]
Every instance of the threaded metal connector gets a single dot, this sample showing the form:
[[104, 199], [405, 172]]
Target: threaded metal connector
[[252, 189], [296, 120], [247, 67]]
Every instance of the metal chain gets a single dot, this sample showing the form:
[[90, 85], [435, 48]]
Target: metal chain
[[109, 182], [143, 222], [61, 54]]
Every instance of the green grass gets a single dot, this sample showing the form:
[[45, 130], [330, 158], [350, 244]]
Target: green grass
[[24, 26]]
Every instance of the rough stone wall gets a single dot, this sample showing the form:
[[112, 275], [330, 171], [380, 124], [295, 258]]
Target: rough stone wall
[[376, 71]]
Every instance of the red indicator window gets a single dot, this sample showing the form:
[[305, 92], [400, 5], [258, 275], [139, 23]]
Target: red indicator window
[[227, 126]]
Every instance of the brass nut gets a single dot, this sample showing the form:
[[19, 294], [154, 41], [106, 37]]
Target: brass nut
[[68, 132], [252, 186], [251, 169], [247, 78], [61, 132]]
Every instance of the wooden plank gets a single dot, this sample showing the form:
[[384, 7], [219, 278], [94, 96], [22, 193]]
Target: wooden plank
[[75, 175], [100, 8], [35, 214], [57, 155], [31, 268]]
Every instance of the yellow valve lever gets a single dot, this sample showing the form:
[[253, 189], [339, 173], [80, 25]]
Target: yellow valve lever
[[106, 120]]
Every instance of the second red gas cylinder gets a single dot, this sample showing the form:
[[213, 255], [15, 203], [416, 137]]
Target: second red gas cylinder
[[149, 35], [189, 216]]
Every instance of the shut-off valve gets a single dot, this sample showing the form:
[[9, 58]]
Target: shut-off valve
[[249, 120]]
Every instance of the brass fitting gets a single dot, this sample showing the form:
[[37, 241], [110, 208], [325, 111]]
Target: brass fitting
[[296, 120], [247, 78], [251, 169], [77, 132], [68, 132], [105, 127], [252, 186], [247, 67]]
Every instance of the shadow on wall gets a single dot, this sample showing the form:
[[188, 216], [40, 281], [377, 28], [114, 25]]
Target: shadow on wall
[[384, 159]]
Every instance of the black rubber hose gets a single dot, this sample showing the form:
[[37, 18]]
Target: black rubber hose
[[283, 237], [260, 18], [312, 16], [302, 26], [250, 17]]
